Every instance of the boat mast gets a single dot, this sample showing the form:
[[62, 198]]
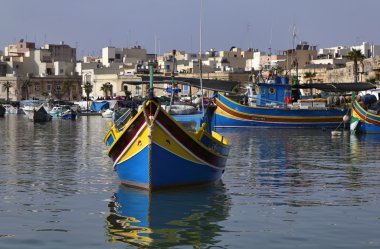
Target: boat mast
[[151, 90], [294, 53], [172, 93], [200, 55]]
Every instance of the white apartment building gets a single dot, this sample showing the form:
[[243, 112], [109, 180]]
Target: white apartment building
[[120, 56], [369, 50]]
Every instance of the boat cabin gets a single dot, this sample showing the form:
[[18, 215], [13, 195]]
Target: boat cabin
[[273, 94]]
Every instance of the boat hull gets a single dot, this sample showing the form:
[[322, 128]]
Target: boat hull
[[231, 114], [69, 116], [38, 114], [162, 154], [2, 111], [363, 121]]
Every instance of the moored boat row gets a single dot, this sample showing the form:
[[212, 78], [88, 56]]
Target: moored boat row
[[153, 148]]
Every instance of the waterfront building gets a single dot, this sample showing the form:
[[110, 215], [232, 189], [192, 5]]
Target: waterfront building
[[46, 72]]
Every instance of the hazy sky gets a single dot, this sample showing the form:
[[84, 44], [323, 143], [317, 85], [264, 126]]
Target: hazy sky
[[90, 25]]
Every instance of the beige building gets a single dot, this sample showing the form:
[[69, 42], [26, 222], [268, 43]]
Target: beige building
[[54, 87], [369, 69], [40, 73]]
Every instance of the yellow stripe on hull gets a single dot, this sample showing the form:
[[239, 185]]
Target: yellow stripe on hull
[[166, 141], [139, 143], [248, 115]]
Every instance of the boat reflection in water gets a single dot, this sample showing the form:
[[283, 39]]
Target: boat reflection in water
[[188, 216]]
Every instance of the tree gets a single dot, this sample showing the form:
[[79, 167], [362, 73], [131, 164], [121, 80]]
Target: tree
[[87, 89], [106, 87], [25, 85], [127, 93], [356, 56], [7, 85], [371, 80], [310, 76]]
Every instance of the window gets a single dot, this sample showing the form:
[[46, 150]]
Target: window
[[48, 87], [58, 87], [37, 87], [60, 70]]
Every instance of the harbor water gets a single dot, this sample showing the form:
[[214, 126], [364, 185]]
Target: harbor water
[[282, 189]]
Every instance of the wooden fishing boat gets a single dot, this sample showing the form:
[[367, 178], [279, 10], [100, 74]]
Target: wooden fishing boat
[[275, 106], [277, 110], [152, 150], [364, 120]]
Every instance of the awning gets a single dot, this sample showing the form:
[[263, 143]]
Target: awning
[[214, 85], [338, 87]]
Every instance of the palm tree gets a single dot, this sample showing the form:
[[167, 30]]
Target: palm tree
[[355, 55], [67, 85], [310, 76], [371, 80], [87, 89], [127, 93], [106, 87], [7, 86], [25, 85]]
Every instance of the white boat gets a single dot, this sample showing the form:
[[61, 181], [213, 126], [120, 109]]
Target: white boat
[[57, 111], [10, 109], [178, 109], [107, 113], [28, 106], [38, 114]]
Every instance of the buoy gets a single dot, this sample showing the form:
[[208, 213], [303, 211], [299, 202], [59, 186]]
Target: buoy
[[346, 118], [336, 133]]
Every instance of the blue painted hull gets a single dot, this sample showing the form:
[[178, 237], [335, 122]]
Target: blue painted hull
[[165, 170], [164, 153], [231, 114], [367, 122], [367, 128], [221, 121], [135, 171], [69, 116]]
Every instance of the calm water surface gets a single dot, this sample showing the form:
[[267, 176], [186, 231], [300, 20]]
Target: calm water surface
[[281, 189]]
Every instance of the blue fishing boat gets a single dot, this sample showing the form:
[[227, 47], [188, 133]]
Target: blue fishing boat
[[365, 116], [69, 114], [275, 105], [151, 150]]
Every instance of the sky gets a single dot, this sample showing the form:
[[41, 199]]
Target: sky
[[163, 25]]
